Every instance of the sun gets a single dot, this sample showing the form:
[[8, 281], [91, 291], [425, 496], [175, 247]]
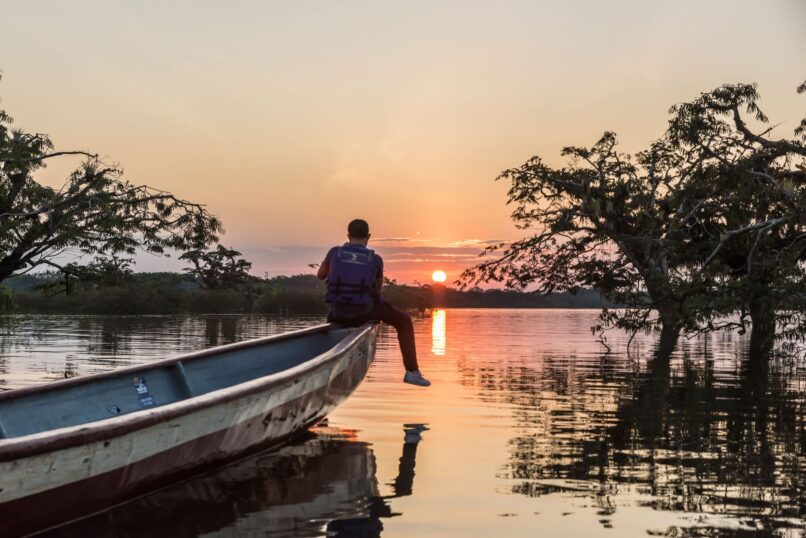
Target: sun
[[439, 276]]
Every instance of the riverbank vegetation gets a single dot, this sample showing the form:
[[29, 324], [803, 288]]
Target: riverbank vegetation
[[176, 293]]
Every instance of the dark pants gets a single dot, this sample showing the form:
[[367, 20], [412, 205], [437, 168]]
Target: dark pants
[[396, 318]]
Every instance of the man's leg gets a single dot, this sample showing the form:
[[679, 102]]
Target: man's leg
[[349, 322], [405, 331]]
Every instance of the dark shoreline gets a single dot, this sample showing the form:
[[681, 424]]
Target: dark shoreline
[[171, 294]]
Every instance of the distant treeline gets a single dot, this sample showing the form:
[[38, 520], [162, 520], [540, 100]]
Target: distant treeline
[[176, 293]]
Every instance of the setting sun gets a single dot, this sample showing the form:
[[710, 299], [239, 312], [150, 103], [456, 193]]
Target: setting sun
[[439, 276]]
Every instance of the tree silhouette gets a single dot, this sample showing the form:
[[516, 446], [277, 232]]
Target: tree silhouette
[[95, 211], [218, 269], [708, 221]]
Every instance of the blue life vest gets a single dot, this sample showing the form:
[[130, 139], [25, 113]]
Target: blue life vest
[[351, 276]]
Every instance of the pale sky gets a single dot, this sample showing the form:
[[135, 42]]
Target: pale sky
[[289, 119]]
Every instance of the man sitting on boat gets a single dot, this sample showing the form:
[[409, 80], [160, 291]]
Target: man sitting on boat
[[354, 277]]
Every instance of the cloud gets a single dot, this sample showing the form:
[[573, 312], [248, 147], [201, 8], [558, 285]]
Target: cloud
[[399, 240], [405, 262], [433, 260], [392, 239], [474, 242], [435, 254]]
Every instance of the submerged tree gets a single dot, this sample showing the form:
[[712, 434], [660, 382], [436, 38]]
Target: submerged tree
[[606, 221], [95, 211], [662, 231], [759, 218]]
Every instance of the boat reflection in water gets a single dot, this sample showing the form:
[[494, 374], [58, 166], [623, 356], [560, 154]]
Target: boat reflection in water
[[438, 338], [377, 507], [324, 484]]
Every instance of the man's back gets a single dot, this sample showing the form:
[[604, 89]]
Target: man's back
[[346, 299]]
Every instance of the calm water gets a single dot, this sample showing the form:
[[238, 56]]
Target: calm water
[[530, 429]]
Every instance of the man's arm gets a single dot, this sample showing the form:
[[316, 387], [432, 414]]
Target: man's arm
[[379, 281], [324, 268], [321, 274]]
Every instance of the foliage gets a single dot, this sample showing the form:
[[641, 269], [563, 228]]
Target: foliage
[[105, 271], [408, 297], [95, 211], [6, 300], [137, 294], [760, 212], [221, 268], [102, 272], [276, 299], [665, 230]]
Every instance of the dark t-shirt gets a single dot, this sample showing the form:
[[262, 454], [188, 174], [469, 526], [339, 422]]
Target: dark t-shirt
[[348, 311]]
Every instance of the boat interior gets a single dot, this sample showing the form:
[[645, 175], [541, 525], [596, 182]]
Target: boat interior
[[96, 397]]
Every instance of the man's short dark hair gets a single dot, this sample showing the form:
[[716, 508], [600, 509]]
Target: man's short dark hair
[[358, 229]]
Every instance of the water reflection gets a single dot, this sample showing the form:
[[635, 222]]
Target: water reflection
[[377, 507], [438, 339], [404, 483], [220, 330], [324, 485], [724, 439], [534, 427], [34, 349], [705, 440]]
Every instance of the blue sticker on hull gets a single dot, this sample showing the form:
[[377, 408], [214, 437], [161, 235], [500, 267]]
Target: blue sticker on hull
[[142, 392]]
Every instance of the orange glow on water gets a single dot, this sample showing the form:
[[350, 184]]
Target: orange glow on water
[[438, 336]]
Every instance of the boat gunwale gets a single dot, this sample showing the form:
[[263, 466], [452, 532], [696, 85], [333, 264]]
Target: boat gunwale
[[61, 438]]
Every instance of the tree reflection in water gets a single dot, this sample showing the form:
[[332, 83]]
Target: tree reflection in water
[[685, 434], [325, 483]]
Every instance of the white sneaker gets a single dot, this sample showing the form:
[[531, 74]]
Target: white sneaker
[[416, 378]]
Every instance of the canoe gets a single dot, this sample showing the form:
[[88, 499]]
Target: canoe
[[79, 446]]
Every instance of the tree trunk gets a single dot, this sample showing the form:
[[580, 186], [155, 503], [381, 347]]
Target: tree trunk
[[670, 313], [762, 334], [668, 339]]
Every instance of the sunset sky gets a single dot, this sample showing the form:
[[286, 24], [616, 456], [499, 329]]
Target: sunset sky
[[289, 119]]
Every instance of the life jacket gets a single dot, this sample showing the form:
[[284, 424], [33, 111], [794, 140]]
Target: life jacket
[[351, 275]]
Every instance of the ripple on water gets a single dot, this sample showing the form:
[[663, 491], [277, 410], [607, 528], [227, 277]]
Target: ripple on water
[[529, 426]]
